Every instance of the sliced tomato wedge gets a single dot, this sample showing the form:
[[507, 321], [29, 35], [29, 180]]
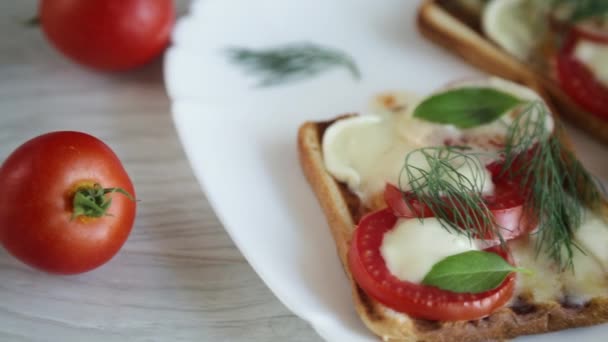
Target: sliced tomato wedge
[[589, 32], [577, 80], [426, 302], [507, 206], [398, 201]]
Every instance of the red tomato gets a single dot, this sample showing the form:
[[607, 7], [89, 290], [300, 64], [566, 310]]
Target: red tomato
[[39, 182], [506, 205], [420, 301], [589, 32], [396, 201], [577, 80], [108, 34]]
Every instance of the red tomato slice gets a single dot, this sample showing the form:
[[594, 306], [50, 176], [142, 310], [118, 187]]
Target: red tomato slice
[[591, 33], [396, 201], [506, 205], [577, 80], [370, 272]]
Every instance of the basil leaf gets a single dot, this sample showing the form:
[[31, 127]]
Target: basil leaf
[[585, 9], [470, 272], [466, 107]]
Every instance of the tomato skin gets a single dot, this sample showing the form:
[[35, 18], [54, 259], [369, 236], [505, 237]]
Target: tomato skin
[[577, 80], [591, 33], [507, 207], [38, 181], [371, 274], [110, 35], [395, 200]]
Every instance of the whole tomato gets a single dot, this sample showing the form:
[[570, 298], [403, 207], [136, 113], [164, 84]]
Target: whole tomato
[[108, 34], [67, 204]]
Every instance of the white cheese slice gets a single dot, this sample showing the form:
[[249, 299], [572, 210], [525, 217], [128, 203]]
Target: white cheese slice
[[412, 248], [592, 235], [507, 22], [544, 283], [595, 57], [589, 277], [365, 152], [586, 280]]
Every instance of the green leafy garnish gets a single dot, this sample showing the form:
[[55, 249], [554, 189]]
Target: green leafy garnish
[[441, 185], [466, 107], [470, 272], [555, 185], [579, 10], [291, 62], [559, 186]]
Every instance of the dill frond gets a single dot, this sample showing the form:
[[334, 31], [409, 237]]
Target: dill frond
[[557, 185], [455, 198], [291, 62]]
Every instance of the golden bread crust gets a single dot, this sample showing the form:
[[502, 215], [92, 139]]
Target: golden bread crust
[[443, 27], [343, 209]]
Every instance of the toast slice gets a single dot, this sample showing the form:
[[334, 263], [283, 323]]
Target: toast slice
[[458, 31], [343, 209]]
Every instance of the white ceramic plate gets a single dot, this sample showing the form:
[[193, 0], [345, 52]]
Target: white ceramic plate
[[241, 139]]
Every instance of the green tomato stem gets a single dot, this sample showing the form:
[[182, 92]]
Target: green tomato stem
[[93, 201]]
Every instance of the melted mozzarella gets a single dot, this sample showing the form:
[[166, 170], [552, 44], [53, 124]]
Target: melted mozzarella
[[592, 235], [589, 277], [365, 152], [412, 248], [595, 57], [507, 23], [544, 283]]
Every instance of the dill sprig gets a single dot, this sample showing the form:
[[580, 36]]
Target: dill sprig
[[557, 184], [291, 62], [455, 198]]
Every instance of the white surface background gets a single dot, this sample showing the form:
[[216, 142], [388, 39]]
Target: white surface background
[[179, 277]]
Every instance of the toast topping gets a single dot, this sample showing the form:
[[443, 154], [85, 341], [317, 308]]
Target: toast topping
[[413, 247], [366, 152], [595, 57], [464, 182]]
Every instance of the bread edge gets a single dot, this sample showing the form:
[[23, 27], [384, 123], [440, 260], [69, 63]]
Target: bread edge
[[506, 323], [439, 26]]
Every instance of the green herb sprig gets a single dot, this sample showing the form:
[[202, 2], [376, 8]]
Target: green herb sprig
[[556, 185], [453, 197], [559, 186], [466, 107], [579, 10], [291, 62]]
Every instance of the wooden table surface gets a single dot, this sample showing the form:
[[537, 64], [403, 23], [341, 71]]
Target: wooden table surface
[[179, 277]]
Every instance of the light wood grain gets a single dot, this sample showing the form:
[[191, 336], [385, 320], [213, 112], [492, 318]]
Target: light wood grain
[[179, 276]]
